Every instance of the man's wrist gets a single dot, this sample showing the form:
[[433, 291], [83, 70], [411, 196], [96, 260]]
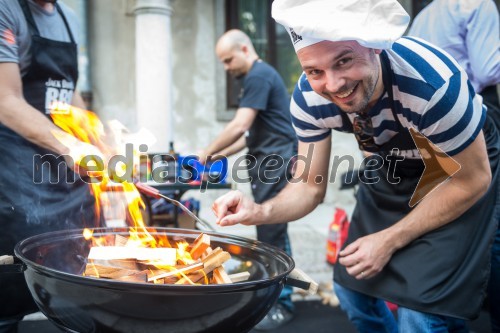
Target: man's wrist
[[396, 237], [264, 213]]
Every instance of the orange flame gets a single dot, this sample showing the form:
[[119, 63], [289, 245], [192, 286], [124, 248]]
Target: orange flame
[[86, 126]]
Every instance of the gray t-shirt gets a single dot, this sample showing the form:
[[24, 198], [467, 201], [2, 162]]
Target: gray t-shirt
[[15, 37]]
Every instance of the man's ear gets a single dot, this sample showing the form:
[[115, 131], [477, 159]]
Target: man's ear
[[377, 51]]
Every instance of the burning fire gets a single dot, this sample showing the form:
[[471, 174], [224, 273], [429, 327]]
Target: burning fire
[[86, 127], [173, 263]]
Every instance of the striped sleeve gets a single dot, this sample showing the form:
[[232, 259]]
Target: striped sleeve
[[454, 116], [307, 125], [436, 96]]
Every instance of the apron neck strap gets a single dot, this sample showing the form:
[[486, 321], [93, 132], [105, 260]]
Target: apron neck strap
[[31, 21], [29, 16], [59, 10]]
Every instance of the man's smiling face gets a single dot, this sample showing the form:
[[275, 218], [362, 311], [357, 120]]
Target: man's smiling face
[[345, 73]]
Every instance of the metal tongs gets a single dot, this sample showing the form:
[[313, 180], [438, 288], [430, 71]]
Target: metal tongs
[[155, 193]]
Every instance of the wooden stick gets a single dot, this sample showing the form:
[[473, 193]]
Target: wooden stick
[[238, 277], [212, 254], [166, 255], [206, 253], [185, 270], [211, 262], [130, 264], [200, 244], [138, 277], [215, 261], [220, 276], [106, 271]]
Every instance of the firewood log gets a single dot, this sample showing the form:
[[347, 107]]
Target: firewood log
[[200, 244], [220, 276], [211, 262], [238, 277], [177, 271], [138, 277], [107, 272], [166, 255]]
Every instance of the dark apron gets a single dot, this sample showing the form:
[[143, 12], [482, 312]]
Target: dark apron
[[36, 198], [443, 272]]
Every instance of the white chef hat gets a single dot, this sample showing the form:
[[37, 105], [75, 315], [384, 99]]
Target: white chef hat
[[372, 23]]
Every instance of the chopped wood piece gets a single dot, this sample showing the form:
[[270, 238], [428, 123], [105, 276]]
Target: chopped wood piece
[[183, 261], [175, 272], [212, 254], [206, 253], [130, 264], [6, 260], [120, 240], [166, 255], [238, 277], [168, 280], [200, 244], [220, 276], [137, 277], [120, 258], [211, 262], [106, 271]]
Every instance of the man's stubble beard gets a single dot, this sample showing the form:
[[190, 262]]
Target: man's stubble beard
[[369, 85], [369, 88]]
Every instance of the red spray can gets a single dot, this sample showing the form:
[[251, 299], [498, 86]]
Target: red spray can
[[337, 235]]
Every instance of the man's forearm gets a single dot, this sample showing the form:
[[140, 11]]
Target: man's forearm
[[293, 202], [29, 123], [229, 136], [450, 200], [233, 131], [443, 205], [236, 147], [303, 193]]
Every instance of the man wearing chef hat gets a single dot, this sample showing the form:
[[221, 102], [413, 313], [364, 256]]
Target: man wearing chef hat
[[361, 77]]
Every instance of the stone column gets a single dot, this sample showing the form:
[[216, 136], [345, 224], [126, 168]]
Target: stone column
[[153, 52]]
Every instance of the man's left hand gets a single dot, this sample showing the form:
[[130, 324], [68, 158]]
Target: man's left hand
[[367, 256]]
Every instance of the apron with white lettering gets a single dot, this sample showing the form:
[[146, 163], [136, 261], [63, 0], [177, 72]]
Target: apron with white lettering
[[36, 197], [443, 272]]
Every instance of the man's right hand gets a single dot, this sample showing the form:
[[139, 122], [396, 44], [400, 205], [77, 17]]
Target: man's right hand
[[202, 157], [85, 159], [234, 207]]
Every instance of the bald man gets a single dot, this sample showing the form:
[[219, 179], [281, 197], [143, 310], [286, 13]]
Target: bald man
[[262, 124]]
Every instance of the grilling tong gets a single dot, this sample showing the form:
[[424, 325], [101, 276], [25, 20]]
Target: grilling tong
[[155, 193]]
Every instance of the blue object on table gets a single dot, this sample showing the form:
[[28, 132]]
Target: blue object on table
[[190, 169]]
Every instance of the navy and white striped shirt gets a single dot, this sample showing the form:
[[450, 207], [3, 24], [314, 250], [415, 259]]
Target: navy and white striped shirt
[[432, 94]]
